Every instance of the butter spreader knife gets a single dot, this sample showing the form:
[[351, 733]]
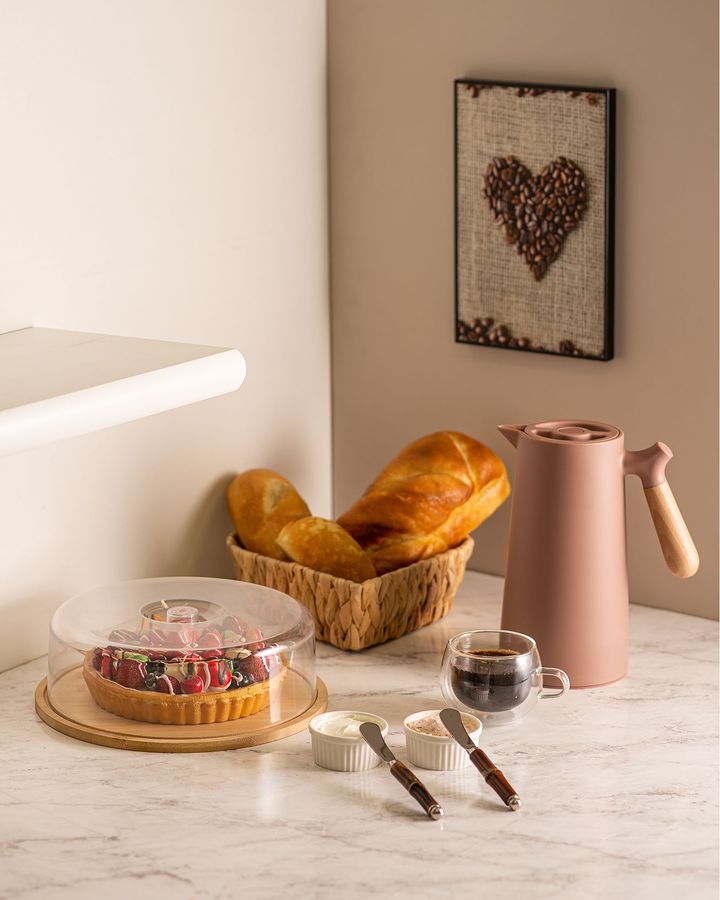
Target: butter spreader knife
[[412, 784], [452, 720]]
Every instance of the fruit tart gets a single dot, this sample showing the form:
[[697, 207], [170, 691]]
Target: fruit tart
[[184, 651], [184, 670]]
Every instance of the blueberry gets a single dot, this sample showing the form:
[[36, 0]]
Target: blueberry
[[150, 680]]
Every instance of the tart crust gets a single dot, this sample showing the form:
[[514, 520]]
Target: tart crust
[[183, 709]]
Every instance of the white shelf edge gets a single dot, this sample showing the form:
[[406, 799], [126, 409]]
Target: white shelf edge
[[213, 372]]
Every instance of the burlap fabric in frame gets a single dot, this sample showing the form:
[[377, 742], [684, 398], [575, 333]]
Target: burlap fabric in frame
[[493, 279]]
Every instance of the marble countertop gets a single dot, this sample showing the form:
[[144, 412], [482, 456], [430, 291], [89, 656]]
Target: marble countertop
[[619, 786]]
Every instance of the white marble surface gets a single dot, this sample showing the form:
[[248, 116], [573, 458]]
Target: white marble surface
[[619, 787]]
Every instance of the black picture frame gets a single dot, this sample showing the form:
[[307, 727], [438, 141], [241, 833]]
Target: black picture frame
[[609, 94]]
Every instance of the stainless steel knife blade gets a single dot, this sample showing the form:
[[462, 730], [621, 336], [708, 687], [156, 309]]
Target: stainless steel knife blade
[[452, 720], [372, 734]]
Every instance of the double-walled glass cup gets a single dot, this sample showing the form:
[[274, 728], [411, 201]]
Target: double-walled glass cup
[[496, 675]]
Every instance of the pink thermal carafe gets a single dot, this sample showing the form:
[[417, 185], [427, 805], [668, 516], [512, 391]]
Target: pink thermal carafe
[[566, 581]]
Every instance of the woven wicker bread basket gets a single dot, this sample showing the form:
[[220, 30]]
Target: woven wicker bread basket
[[354, 616]]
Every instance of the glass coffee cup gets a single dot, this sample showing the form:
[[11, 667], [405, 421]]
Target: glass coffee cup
[[496, 675]]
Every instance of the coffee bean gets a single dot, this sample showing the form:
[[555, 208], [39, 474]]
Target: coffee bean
[[537, 213]]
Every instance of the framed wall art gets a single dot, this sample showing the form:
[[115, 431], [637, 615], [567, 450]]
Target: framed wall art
[[534, 210]]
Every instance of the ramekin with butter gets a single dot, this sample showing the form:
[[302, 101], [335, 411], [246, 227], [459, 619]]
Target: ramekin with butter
[[337, 743]]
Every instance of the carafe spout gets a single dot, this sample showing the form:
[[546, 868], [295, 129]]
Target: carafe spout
[[511, 432]]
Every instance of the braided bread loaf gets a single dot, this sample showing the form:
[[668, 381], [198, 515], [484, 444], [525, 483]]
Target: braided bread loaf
[[427, 499]]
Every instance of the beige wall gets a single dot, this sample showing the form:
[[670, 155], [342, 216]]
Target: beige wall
[[162, 174], [396, 371]]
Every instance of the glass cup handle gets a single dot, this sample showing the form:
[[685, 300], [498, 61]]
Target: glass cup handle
[[562, 678]]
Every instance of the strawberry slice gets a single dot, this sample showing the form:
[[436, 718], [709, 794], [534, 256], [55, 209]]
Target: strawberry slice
[[106, 664]]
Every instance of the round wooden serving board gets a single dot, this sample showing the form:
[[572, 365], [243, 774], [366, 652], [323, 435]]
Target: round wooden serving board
[[72, 711]]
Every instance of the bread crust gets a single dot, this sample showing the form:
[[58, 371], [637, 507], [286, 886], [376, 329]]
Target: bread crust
[[326, 547], [261, 502], [427, 499]]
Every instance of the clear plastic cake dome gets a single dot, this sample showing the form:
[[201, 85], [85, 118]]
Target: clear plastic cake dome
[[183, 651]]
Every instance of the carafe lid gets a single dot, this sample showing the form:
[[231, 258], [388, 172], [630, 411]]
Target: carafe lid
[[576, 430]]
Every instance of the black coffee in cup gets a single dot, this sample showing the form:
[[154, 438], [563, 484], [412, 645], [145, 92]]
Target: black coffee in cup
[[491, 680]]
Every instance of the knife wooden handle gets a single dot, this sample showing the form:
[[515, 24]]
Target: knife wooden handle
[[416, 789], [495, 778]]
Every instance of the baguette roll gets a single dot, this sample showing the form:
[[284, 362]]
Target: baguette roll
[[325, 546], [261, 503]]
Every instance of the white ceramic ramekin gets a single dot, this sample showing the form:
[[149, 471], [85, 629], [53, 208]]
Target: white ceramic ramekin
[[343, 753], [429, 751]]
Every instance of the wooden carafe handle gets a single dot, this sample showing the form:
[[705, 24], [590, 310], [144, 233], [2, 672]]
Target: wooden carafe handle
[[677, 546]]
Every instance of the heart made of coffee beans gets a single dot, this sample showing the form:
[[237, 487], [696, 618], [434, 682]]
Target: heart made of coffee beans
[[537, 212]]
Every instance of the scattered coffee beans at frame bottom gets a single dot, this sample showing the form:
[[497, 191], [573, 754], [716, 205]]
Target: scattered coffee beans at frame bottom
[[485, 331]]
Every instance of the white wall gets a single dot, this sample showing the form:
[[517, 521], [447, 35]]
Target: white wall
[[162, 174]]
